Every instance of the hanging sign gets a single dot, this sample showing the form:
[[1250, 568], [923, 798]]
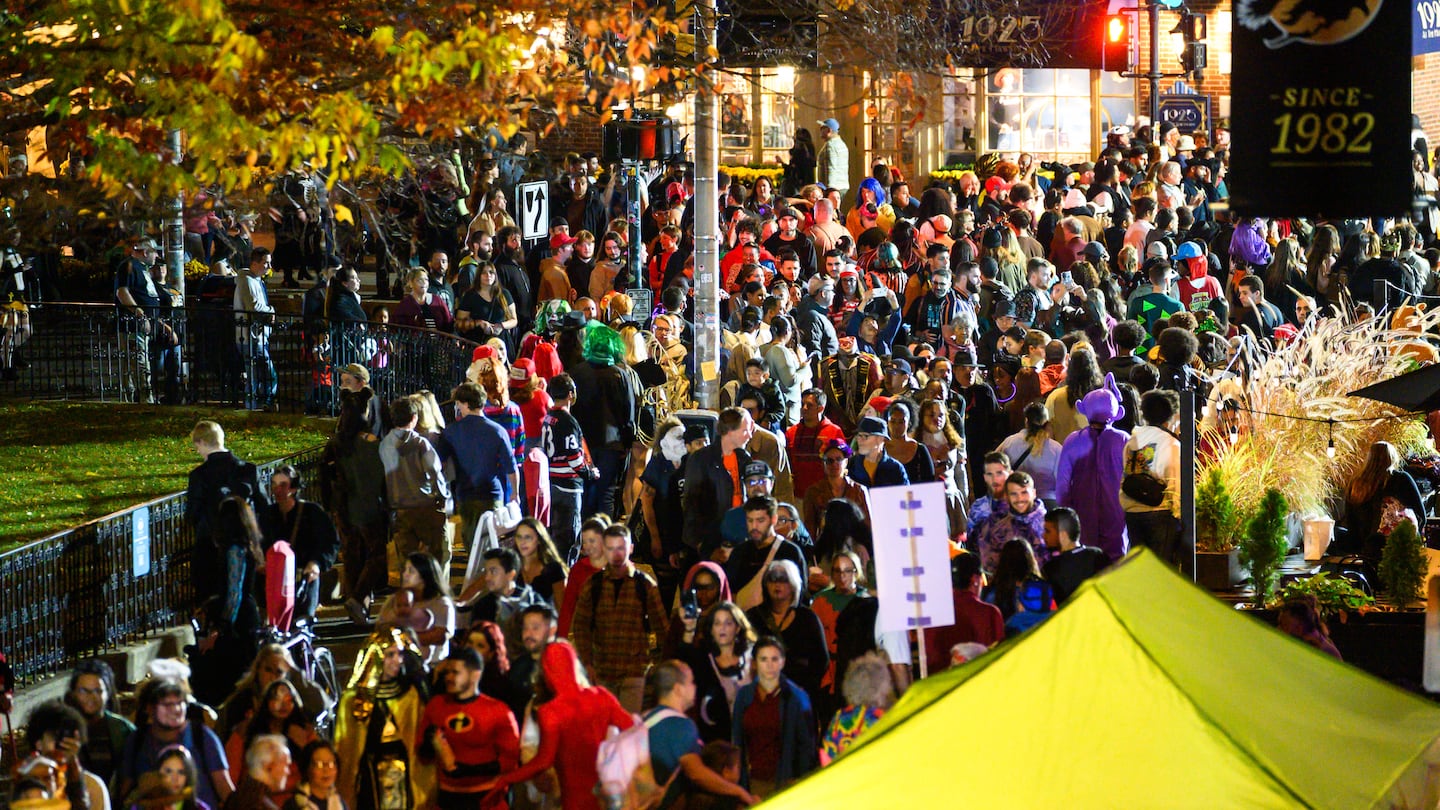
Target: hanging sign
[[1318, 90]]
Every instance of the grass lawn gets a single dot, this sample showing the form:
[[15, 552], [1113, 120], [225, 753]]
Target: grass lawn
[[66, 463]]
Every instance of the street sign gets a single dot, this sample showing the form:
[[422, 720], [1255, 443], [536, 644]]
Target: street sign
[[1188, 111], [140, 541], [912, 557], [642, 302], [534, 203]]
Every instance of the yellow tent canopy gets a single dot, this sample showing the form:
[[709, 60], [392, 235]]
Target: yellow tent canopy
[[1144, 691]]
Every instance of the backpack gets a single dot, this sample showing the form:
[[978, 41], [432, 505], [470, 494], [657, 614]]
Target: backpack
[[627, 779]]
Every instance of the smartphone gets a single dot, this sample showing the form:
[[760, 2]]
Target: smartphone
[[1068, 279], [690, 604]]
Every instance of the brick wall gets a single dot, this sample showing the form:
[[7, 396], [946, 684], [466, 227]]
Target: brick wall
[[1425, 94], [1213, 83], [580, 133]]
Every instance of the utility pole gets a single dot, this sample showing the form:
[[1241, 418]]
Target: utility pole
[[175, 227], [1154, 75], [707, 216]]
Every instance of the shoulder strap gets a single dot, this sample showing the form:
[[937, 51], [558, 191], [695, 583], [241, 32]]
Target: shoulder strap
[[1024, 455], [642, 590]]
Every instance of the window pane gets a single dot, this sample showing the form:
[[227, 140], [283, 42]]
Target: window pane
[[1113, 84], [1114, 111], [959, 94], [1039, 82]]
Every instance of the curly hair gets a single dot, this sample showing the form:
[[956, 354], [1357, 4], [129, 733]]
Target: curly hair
[[868, 682]]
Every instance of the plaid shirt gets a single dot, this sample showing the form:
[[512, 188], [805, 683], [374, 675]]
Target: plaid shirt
[[611, 640]]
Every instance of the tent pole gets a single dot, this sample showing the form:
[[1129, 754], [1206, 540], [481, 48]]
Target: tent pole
[[920, 645]]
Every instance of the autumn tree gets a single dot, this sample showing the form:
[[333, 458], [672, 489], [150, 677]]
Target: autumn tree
[[261, 86]]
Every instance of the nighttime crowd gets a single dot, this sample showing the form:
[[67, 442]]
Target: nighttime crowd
[[563, 542]]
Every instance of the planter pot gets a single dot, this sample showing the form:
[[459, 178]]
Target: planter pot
[[1387, 644], [1218, 570]]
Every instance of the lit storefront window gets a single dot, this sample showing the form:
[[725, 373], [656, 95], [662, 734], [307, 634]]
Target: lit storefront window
[[1050, 113], [757, 114]]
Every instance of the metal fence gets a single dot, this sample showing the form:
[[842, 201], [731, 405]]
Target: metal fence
[[202, 354], [104, 584]]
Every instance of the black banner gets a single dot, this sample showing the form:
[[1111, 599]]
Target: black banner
[[1026, 33], [1320, 108]]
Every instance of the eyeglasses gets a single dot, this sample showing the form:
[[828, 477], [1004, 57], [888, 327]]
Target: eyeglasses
[[784, 519], [842, 571], [834, 460]]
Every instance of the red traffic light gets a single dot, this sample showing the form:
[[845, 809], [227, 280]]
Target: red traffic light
[[1115, 43], [1117, 30]]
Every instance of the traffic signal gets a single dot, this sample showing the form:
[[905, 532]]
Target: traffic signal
[[1116, 43]]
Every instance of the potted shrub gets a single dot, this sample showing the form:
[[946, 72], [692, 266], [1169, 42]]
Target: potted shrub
[[1263, 548], [1336, 596], [1217, 561], [1404, 566]]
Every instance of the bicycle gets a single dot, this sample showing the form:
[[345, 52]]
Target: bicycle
[[316, 665]]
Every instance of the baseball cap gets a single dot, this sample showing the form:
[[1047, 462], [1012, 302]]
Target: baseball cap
[[359, 372], [1188, 250], [1097, 250], [483, 352], [560, 240], [831, 124], [1004, 308], [898, 367], [871, 426], [1157, 250], [758, 469]]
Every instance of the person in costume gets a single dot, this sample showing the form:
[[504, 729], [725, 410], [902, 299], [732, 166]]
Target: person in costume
[[376, 727], [1092, 466]]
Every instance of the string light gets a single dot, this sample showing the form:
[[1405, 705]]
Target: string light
[[1330, 448], [1234, 433]]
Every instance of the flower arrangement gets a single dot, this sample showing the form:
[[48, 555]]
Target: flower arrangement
[[950, 173], [195, 270], [748, 174]]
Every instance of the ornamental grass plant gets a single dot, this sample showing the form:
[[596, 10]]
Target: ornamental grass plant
[[1311, 377]]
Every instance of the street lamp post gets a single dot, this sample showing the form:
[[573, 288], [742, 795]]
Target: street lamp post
[[707, 216]]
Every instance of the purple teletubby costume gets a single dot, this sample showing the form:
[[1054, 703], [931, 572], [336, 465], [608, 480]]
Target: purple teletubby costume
[[1092, 465]]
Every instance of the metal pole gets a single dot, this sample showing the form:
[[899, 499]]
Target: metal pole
[[1187, 474], [707, 217], [175, 227], [1154, 75], [632, 219]]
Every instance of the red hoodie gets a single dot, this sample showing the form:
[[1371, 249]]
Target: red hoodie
[[572, 726], [1198, 285]]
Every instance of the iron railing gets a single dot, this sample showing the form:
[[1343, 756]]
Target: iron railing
[[87, 590], [92, 352]]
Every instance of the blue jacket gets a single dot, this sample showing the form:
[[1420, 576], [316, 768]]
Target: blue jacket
[[888, 472], [482, 456], [798, 749]]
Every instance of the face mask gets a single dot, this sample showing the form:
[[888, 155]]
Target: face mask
[[672, 445]]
